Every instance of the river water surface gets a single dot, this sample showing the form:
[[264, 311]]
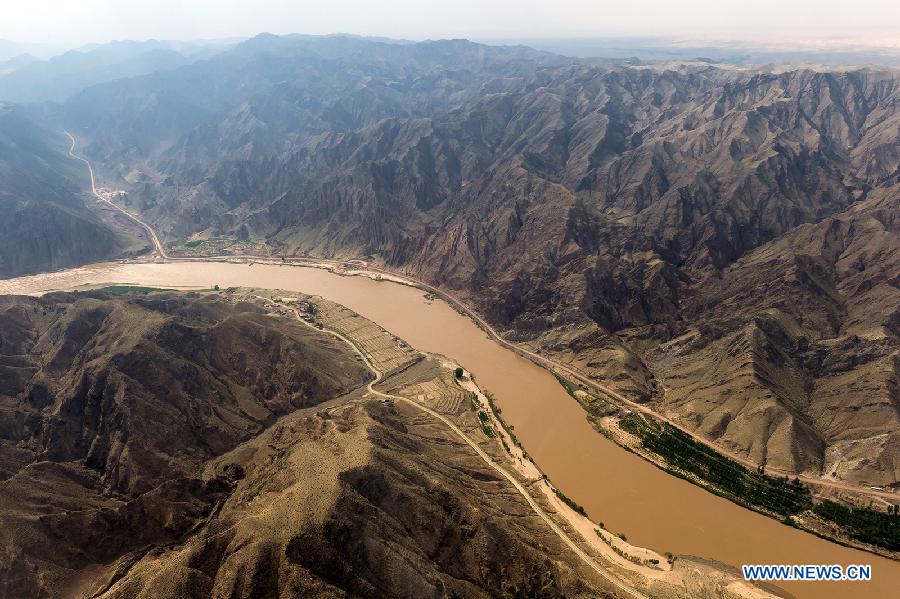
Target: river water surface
[[626, 493]]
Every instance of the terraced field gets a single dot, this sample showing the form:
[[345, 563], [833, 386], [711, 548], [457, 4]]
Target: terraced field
[[430, 383], [387, 352]]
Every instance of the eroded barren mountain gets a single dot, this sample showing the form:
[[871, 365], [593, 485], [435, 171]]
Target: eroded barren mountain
[[720, 243], [173, 445], [111, 407], [45, 223]]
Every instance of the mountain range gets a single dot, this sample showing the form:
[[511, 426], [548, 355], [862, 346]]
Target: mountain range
[[24, 78], [719, 242]]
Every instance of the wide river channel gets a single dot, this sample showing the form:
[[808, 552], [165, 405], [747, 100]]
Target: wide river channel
[[626, 493]]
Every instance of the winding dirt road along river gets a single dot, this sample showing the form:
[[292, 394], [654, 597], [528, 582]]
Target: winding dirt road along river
[[629, 495]]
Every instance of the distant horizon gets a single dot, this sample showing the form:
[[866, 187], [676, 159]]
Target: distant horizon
[[576, 46], [69, 24], [872, 37]]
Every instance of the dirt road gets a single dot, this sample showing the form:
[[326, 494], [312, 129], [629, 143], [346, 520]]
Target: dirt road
[[157, 245], [587, 559]]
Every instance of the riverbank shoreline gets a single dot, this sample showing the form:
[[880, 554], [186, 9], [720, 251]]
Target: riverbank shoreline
[[361, 268], [377, 306]]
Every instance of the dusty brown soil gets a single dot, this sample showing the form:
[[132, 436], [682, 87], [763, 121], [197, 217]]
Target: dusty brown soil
[[360, 495]]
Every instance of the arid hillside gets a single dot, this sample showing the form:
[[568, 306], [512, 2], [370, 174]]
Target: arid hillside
[[354, 501], [718, 242], [45, 224], [110, 408], [172, 445]]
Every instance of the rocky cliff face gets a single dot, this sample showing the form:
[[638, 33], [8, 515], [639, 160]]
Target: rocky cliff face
[[598, 212], [796, 343]]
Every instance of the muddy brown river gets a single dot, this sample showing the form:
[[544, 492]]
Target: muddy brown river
[[626, 493]]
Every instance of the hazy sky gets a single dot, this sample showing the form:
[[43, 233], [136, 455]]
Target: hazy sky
[[79, 21]]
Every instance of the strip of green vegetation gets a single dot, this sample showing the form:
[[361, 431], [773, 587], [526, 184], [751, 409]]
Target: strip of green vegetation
[[498, 415], [632, 423], [485, 427], [570, 389], [131, 289], [569, 502], [734, 481], [863, 524], [193, 243]]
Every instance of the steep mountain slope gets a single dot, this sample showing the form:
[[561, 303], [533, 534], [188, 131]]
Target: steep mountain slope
[[356, 502], [45, 224], [795, 359], [597, 212], [109, 408], [159, 445]]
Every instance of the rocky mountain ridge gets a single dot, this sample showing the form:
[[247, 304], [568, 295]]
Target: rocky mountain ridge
[[110, 406], [719, 242], [621, 217]]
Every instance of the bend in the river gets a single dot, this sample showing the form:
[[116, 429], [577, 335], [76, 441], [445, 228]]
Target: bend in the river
[[618, 488]]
